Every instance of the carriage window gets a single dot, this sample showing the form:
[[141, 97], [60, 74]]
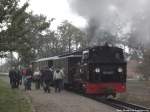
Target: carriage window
[[85, 55]]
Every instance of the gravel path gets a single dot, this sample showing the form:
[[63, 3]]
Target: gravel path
[[63, 102]]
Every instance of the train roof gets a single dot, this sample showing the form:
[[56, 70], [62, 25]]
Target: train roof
[[79, 52], [49, 58], [75, 53], [57, 57], [104, 46], [69, 56]]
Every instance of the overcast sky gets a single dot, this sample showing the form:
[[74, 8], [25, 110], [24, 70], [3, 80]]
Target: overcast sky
[[58, 9]]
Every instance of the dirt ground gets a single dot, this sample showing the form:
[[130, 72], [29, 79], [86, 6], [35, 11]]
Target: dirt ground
[[64, 102]]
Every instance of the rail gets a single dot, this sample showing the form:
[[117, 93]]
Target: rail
[[124, 106], [117, 104]]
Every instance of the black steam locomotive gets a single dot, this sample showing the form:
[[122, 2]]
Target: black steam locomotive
[[99, 70]]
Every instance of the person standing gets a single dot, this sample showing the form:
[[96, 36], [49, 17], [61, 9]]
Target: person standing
[[18, 77], [46, 76], [23, 74], [58, 80], [62, 80], [37, 79], [29, 75], [14, 77]]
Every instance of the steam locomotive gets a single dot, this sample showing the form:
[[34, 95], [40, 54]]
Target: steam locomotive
[[99, 70]]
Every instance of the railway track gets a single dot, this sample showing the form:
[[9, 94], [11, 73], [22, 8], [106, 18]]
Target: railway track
[[121, 106], [124, 106], [117, 104]]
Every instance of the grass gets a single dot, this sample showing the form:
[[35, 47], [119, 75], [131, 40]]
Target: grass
[[138, 92], [12, 100]]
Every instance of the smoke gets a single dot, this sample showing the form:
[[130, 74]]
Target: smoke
[[118, 17]]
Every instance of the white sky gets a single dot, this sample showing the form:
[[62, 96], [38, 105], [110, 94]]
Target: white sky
[[58, 9]]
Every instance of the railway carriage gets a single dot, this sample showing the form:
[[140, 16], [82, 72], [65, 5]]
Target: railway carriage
[[43, 62]]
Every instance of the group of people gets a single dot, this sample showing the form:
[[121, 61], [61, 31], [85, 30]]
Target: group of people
[[45, 78], [48, 77], [17, 76]]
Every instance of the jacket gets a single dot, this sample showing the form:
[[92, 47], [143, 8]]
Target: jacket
[[46, 75], [58, 75]]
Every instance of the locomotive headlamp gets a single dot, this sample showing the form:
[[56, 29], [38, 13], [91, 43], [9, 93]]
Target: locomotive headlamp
[[120, 69], [97, 70], [80, 70]]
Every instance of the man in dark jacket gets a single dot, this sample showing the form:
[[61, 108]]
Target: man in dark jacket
[[19, 77], [46, 76], [14, 78]]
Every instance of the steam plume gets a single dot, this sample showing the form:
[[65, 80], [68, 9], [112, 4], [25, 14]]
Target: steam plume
[[119, 17]]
